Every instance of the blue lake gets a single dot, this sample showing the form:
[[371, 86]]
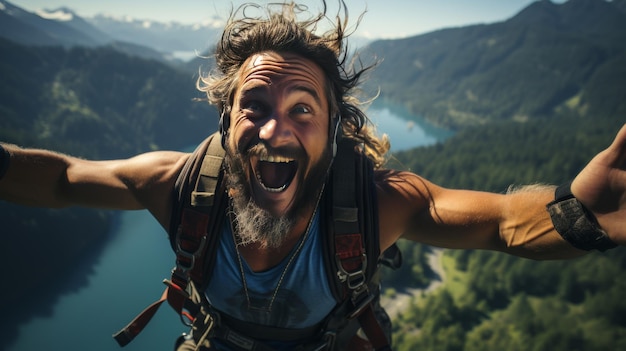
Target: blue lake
[[128, 273]]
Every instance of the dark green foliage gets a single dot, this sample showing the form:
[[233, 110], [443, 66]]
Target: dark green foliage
[[547, 58], [415, 272], [497, 155], [97, 103], [93, 103], [511, 303]]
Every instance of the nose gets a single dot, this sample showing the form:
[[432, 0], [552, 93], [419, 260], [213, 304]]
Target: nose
[[275, 131]]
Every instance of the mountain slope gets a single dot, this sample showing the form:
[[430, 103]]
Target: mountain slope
[[62, 27], [71, 19], [536, 64], [27, 28]]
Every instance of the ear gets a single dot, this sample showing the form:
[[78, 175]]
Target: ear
[[224, 124], [336, 133]]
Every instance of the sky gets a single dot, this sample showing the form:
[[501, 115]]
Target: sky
[[384, 18]]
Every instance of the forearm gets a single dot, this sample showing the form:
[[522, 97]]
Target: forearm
[[32, 177], [527, 229]]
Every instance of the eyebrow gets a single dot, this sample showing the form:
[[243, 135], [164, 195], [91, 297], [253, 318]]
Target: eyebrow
[[308, 90], [262, 89]]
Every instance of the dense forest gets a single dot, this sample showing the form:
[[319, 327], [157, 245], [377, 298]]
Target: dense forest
[[493, 301]]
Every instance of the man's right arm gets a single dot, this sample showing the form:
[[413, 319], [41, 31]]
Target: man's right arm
[[44, 178]]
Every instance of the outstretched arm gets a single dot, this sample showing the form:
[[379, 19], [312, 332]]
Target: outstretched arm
[[47, 179], [517, 223]]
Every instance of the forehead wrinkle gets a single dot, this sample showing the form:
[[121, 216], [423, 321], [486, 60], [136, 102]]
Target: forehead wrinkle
[[269, 67]]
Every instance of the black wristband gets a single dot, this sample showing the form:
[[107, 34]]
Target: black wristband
[[576, 224], [5, 159]]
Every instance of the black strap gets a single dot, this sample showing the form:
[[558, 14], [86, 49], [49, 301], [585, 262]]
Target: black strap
[[356, 243], [576, 224]]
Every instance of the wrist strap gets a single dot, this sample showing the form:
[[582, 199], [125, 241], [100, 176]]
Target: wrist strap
[[576, 224], [5, 158]]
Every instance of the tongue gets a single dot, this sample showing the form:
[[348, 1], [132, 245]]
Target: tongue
[[275, 175]]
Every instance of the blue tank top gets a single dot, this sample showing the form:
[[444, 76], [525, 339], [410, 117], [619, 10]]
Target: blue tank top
[[303, 299]]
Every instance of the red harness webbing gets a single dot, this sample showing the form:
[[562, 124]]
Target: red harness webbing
[[190, 244]]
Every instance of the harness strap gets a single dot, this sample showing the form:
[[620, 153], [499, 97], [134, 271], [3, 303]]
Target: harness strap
[[132, 329], [190, 241], [192, 236], [350, 254], [249, 336], [373, 330], [258, 331]]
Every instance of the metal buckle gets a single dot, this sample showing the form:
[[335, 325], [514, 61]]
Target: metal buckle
[[191, 256], [354, 279]]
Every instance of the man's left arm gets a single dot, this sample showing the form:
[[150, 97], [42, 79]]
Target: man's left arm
[[518, 223]]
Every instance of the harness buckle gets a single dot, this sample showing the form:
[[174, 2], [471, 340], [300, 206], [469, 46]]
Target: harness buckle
[[356, 279], [190, 256]]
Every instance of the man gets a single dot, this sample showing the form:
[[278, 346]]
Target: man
[[285, 100]]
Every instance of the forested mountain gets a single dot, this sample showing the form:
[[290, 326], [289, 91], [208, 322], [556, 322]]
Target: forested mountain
[[97, 102], [142, 38], [549, 58], [90, 102], [28, 28]]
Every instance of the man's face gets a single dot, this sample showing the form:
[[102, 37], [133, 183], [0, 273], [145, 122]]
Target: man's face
[[279, 129]]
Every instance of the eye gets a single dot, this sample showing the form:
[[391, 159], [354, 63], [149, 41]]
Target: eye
[[254, 108], [301, 109], [301, 112]]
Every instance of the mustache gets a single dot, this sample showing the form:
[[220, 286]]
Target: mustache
[[260, 148]]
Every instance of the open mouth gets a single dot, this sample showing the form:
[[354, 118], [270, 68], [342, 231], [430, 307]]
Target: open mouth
[[275, 173]]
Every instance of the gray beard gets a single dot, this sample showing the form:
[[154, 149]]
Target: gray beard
[[253, 224]]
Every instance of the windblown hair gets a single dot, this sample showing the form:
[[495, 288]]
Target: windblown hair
[[280, 30]]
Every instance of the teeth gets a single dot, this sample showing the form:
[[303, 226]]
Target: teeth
[[271, 190], [272, 159], [277, 159]]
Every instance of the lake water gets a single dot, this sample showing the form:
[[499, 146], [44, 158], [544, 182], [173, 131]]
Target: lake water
[[127, 276]]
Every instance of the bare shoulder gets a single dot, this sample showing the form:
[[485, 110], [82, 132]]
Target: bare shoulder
[[401, 197], [151, 178]]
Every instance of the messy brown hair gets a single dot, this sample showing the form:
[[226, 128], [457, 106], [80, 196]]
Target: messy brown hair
[[280, 28]]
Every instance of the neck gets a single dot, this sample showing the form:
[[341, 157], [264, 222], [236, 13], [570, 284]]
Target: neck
[[260, 257]]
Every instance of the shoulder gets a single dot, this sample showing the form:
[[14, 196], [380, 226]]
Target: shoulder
[[401, 197], [151, 178]]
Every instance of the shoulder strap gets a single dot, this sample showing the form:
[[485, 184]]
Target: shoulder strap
[[354, 219], [198, 195], [353, 240]]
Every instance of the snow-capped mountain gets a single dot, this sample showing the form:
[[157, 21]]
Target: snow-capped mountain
[[167, 37], [29, 28], [64, 27]]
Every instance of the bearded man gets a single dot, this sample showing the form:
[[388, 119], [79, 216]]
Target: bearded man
[[285, 95]]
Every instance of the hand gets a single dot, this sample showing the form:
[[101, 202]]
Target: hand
[[601, 187]]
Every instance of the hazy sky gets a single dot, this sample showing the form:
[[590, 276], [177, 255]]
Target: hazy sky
[[385, 18]]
